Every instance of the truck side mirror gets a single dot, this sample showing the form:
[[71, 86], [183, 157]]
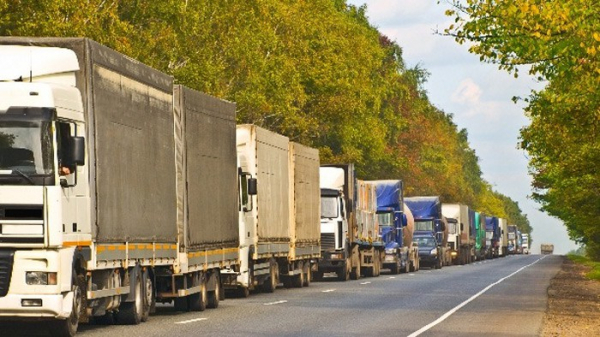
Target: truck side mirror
[[252, 186], [78, 151]]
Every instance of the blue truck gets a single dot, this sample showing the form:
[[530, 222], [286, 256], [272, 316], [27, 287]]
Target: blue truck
[[396, 226], [431, 231]]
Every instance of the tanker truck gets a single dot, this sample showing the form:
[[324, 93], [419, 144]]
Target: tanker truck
[[396, 227], [431, 231], [95, 224]]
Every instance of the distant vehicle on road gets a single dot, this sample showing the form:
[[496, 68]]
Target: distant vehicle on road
[[547, 248]]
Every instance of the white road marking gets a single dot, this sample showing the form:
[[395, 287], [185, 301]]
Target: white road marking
[[411, 274], [328, 290], [191, 320], [365, 282], [456, 308], [278, 302], [392, 276]]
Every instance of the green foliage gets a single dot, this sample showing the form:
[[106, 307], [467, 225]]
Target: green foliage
[[316, 71], [560, 41], [594, 273]]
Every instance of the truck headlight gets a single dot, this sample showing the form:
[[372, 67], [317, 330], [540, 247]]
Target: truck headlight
[[40, 278], [390, 251], [433, 251]]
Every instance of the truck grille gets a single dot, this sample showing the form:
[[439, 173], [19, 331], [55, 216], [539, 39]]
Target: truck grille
[[21, 224], [6, 263], [327, 241]]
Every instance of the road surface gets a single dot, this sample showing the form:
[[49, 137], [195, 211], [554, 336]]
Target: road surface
[[500, 297]]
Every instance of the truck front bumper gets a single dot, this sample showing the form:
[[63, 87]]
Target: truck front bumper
[[332, 261], [36, 306], [428, 259]]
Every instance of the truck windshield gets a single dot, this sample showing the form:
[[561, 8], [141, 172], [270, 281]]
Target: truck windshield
[[452, 228], [26, 153], [425, 242], [424, 225], [385, 219], [329, 207]]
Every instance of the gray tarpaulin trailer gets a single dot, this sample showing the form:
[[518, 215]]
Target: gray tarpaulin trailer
[[151, 214]]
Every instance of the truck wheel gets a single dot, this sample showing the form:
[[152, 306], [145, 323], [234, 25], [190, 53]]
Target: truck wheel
[[307, 274], [197, 301], [149, 298], [344, 272], [395, 269], [298, 280], [318, 276], [130, 313], [270, 284], [68, 327], [407, 267], [376, 266], [214, 296], [243, 292], [355, 274]]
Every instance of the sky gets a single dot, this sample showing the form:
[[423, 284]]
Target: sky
[[478, 95]]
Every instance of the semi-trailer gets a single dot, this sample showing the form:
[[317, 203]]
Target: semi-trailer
[[503, 241], [95, 222], [279, 233], [396, 227], [512, 239], [525, 243], [461, 241], [492, 236], [480, 239], [546, 248], [431, 230]]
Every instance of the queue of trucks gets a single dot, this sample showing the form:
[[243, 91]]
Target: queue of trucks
[[120, 189]]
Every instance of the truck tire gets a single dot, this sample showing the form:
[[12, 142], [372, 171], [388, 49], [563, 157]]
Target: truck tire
[[376, 265], [355, 274], [215, 295], [318, 276], [407, 267], [149, 297], [298, 280], [198, 301], [307, 273], [395, 268], [243, 292], [130, 313], [344, 272], [270, 284], [68, 327]]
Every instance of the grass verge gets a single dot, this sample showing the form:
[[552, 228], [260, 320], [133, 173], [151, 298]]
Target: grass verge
[[594, 273]]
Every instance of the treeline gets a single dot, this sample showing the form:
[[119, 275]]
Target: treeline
[[560, 40], [316, 71]]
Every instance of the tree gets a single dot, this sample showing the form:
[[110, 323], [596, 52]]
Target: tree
[[560, 41]]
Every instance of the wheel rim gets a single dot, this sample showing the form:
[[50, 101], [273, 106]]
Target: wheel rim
[[139, 305], [74, 318]]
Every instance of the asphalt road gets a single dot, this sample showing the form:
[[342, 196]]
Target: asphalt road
[[500, 297]]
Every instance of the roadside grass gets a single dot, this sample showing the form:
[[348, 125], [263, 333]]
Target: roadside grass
[[594, 273]]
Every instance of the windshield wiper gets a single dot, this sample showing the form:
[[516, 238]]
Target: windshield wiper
[[24, 176]]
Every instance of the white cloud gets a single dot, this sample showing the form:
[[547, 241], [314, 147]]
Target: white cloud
[[467, 92]]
